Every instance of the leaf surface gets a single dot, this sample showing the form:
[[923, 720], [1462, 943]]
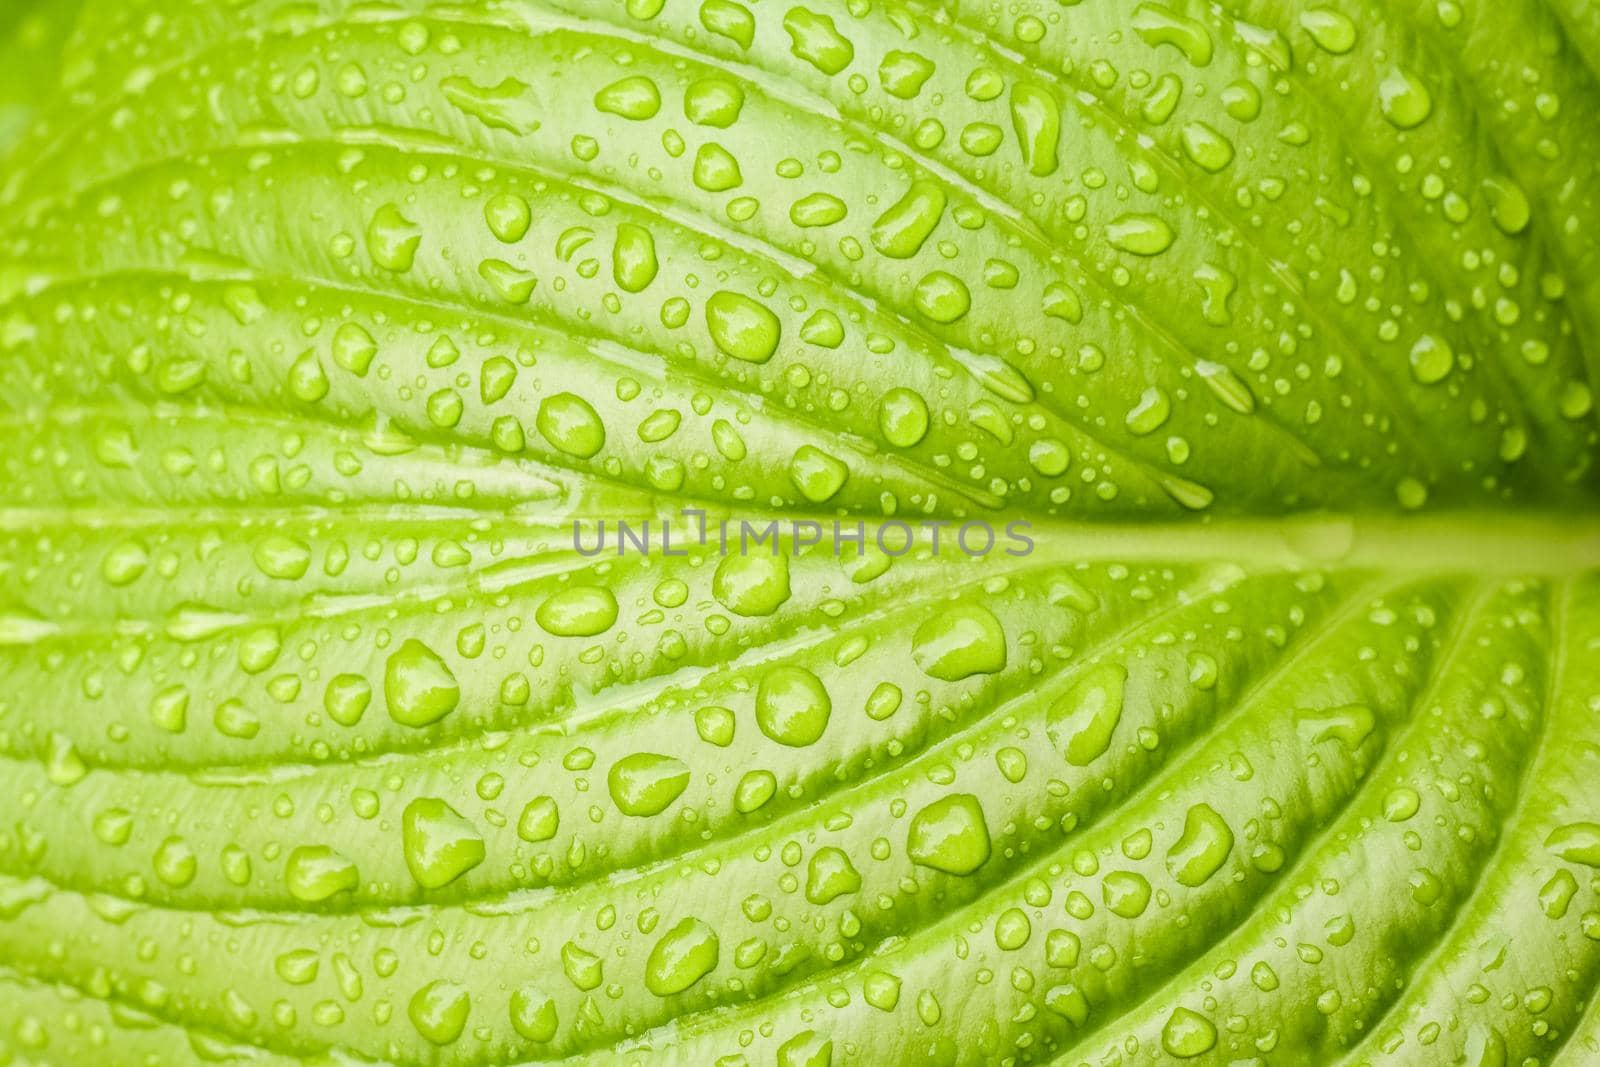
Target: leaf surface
[[1230, 368]]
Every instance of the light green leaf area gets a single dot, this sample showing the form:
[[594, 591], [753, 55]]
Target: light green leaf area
[[1276, 324]]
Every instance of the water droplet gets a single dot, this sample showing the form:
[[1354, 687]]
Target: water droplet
[[175, 863], [881, 990], [1404, 100], [1061, 301], [1157, 25], [742, 327], [354, 349], [960, 642], [1012, 930], [440, 844], [1126, 893], [1226, 385], [439, 1011], [1432, 359], [806, 1049], [508, 217], [645, 783], [900, 232], [582, 967], [755, 789], [684, 955], [506, 106], [284, 558], [816, 474], [635, 98], [539, 820], [1332, 30], [1577, 842], [583, 611], [1036, 118], [533, 1013], [1209, 149], [1142, 235], [1410, 493], [316, 872], [1188, 1034], [393, 239], [1349, 725], [511, 284], [817, 209], [902, 74], [714, 102], [715, 169], [792, 706], [1508, 204], [1150, 413], [950, 835], [816, 40], [903, 417], [307, 380], [830, 875], [1401, 803], [884, 701], [1081, 723], [715, 725], [752, 585], [570, 425], [633, 258], [418, 686], [1203, 848], [942, 297], [1069, 1002]]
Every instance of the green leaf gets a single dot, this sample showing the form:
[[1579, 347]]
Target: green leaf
[[1134, 587]]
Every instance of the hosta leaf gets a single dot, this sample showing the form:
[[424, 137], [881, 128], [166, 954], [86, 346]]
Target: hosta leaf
[[1177, 635]]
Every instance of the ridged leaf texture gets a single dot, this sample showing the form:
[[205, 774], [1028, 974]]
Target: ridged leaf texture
[[1261, 337]]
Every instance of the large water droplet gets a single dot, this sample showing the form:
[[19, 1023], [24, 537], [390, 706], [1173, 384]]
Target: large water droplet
[[635, 98], [903, 417], [1404, 100], [900, 232], [1332, 30], [1202, 849], [942, 297], [741, 327], [714, 102], [571, 425], [950, 835], [816, 474], [830, 875], [1082, 721], [440, 844], [584, 611], [645, 783], [752, 585], [1036, 118], [393, 239], [684, 955], [633, 258], [715, 169], [1142, 235], [419, 686], [316, 872], [533, 1013], [1432, 359], [1188, 1034], [960, 642], [1577, 842], [439, 1011], [792, 706]]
